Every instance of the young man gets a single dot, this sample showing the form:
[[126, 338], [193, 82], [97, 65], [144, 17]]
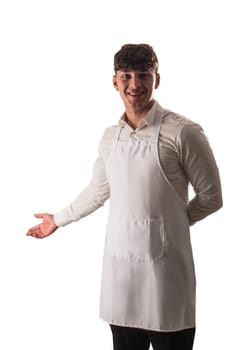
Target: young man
[[145, 165]]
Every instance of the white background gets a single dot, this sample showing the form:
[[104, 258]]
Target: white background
[[56, 98]]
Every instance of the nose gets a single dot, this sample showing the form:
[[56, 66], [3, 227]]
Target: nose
[[134, 82]]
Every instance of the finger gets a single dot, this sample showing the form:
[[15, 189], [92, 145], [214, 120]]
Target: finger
[[39, 216], [32, 232], [34, 228], [37, 233], [40, 236]]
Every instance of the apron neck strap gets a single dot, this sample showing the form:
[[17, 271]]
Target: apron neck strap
[[117, 134], [156, 128]]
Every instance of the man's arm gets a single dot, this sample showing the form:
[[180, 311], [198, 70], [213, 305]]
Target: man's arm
[[90, 199], [200, 167]]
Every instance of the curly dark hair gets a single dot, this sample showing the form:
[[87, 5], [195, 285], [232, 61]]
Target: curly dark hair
[[135, 57]]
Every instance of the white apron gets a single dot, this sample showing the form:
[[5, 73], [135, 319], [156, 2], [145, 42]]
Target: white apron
[[148, 278]]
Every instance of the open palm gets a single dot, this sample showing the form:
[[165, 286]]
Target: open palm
[[45, 228]]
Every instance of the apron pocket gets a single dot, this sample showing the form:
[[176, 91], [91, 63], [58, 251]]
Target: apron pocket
[[141, 239]]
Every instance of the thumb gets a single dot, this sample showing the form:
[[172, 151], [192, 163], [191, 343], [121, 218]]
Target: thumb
[[39, 216]]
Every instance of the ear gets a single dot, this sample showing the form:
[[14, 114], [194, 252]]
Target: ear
[[157, 81], [114, 80]]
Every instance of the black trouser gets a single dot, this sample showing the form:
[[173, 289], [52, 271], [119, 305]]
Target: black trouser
[[127, 338]]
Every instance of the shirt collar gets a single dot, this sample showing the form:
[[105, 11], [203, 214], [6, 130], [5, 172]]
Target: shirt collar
[[146, 121]]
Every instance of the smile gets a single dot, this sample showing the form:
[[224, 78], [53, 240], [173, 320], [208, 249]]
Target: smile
[[135, 94]]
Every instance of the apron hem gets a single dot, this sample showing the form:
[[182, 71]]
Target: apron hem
[[155, 329]]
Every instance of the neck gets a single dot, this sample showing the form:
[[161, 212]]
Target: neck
[[134, 117]]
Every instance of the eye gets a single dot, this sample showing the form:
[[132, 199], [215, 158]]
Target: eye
[[125, 76]]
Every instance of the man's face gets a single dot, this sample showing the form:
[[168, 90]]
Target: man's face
[[136, 87]]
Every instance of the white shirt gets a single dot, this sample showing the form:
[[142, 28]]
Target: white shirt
[[185, 156]]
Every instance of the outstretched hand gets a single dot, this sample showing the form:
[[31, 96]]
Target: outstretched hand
[[45, 228]]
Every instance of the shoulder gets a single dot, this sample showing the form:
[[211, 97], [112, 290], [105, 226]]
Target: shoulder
[[175, 125], [176, 120], [109, 134], [106, 140]]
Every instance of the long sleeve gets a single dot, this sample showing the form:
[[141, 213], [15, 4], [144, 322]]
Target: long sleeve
[[200, 167], [90, 199]]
